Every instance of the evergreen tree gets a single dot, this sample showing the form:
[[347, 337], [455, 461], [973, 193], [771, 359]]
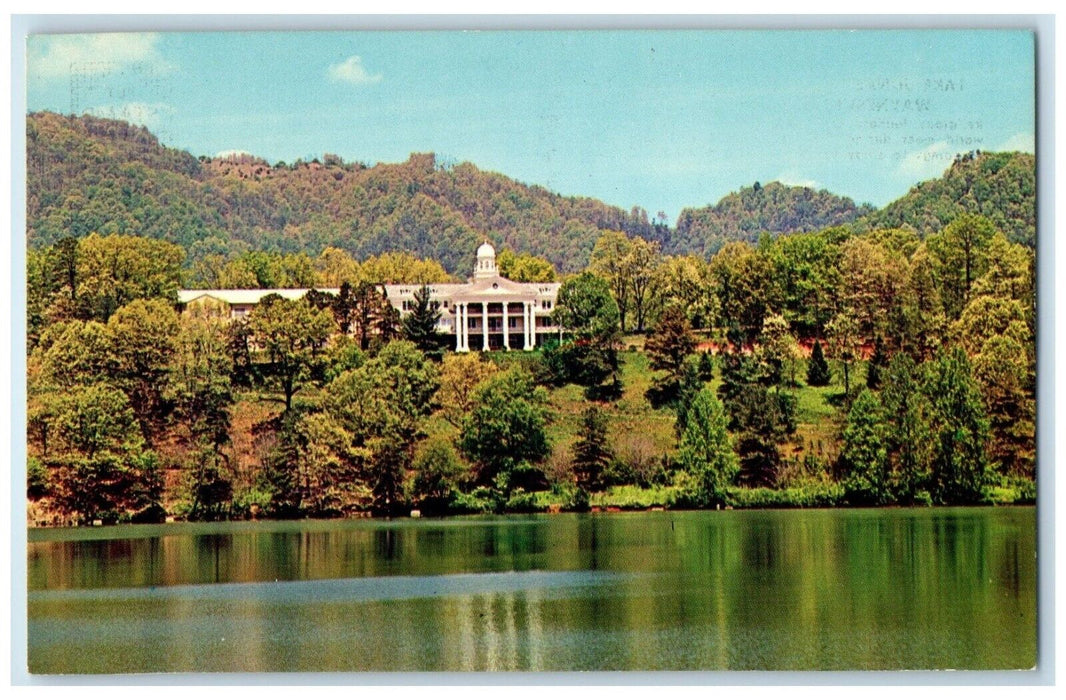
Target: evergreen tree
[[907, 433], [692, 382], [591, 454], [706, 450], [960, 431], [878, 362], [706, 366], [738, 371], [667, 347], [863, 461], [761, 421], [817, 368], [420, 326], [386, 322]]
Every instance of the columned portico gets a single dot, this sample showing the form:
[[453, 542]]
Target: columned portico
[[501, 311]]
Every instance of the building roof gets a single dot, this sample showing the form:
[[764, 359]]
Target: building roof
[[243, 296]]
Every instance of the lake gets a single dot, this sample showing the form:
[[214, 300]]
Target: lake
[[927, 588]]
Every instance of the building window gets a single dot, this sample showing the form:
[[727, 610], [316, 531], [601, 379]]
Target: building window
[[512, 322]]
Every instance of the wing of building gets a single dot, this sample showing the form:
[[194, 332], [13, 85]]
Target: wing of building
[[489, 312]]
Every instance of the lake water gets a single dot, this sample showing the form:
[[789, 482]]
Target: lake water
[[774, 590]]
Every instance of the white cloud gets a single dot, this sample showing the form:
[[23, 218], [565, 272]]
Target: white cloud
[[1023, 141], [65, 55], [793, 179], [145, 114], [926, 163], [353, 71], [232, 153]]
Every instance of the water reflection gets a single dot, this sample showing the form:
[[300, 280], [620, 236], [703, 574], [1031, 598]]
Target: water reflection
[[869, 589]]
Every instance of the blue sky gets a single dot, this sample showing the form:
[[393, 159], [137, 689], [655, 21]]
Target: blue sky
[[657, 119]]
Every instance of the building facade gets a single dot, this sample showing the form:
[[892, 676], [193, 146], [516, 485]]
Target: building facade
[[489, 312]]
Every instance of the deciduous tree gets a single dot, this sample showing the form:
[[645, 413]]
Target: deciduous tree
[[291, 335], [505, 433]]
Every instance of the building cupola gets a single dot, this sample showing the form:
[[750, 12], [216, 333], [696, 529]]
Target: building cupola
[[486, 261]]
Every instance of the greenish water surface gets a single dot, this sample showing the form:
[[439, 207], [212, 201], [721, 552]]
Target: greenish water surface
[[930, 588]]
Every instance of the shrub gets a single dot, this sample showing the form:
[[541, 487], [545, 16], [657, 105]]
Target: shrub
[[634, 497], [812, 495], [480, 500], [37, 482], [250, 503], [522, 502]]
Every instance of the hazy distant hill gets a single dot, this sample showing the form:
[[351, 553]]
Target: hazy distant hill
[[745, 215], [88, 174], [1001, 186]]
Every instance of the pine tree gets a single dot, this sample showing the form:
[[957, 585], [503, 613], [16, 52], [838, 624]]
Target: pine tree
[[878, 362], [692, 382], [863, 460], [960, 431], [907, 431], [706, 450], [817, 368], [420, 326], [591, 454], [667, 347], [761, 420]]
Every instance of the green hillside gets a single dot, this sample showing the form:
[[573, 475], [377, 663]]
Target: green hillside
[[89, 174], [1000, 186], [745, 215]]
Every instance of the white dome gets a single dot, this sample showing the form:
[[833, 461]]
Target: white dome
[[485, 250]]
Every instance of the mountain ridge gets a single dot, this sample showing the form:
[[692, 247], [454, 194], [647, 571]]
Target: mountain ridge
[[88, 174]]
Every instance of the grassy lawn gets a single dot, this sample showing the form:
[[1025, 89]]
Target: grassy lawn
[[632, 424]]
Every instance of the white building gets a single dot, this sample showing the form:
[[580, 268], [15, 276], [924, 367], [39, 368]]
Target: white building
[[488, 312]]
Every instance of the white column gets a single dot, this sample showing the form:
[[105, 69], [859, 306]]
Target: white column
[[466, 326], [506, 330], [458, 327], [532, 325], [484, 326], [525, 325]]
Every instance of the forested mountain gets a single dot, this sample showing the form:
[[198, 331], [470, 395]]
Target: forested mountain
[[745, 215], [89, 174], [1000, 186]]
